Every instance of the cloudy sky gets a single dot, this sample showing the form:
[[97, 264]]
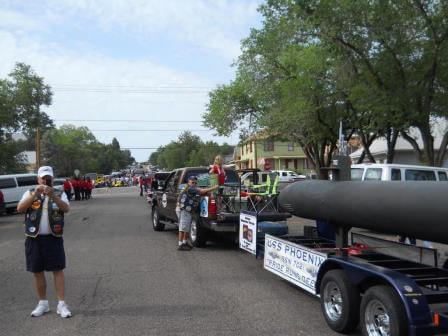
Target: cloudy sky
[[148, 60]]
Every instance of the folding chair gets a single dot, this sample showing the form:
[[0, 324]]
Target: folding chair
[[271, 197], [266, 185], [263, 194]]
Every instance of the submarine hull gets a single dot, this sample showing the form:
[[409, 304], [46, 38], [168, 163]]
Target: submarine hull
[[412, 209]]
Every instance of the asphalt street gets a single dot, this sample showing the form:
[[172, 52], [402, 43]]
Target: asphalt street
[[123, 278]]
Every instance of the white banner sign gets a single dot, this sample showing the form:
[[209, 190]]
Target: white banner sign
[[292, 262], [248, 232]]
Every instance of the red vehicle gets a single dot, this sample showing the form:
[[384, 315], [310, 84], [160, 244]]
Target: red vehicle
[[2, 203]]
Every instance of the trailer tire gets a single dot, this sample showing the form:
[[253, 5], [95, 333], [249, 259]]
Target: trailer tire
[[381, 307], [340, 301], [156, 224], [198, 235]]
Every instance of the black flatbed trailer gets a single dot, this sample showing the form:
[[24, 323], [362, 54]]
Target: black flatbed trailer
[[387, 288]]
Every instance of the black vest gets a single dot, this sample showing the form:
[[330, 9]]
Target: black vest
[[34, 214]]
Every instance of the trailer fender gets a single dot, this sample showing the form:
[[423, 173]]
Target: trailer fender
[[364, 276]]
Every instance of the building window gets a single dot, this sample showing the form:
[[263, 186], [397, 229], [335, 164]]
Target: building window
[[242, 149], [250, 148], [291, 147], [269, 146]]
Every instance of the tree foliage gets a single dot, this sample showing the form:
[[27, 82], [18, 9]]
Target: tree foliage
[[68, 148], [378, 66], [188, 150], [22, 96]]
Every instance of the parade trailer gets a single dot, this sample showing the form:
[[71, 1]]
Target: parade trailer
[[385, 287]]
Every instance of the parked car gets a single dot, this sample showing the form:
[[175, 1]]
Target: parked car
[[250, 177], [289, 176], [14, 186], [213, 216], [397, 172], [2, 203]]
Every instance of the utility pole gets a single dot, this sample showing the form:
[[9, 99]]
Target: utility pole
[[37, 147]]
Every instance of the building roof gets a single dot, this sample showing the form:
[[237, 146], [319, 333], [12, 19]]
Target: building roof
[[379, 146]]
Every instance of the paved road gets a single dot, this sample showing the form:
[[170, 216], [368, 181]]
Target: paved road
[[125, 279]]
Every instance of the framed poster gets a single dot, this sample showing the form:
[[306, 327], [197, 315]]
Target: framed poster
[[248, 231]]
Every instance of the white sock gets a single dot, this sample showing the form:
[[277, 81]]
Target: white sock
[[43, 302], [184, 241], [61, 303], [180, 243]]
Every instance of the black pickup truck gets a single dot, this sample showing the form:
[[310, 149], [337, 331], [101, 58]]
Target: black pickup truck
[[215, 215]]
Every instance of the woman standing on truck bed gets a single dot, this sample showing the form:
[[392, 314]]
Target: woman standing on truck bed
[[219, 170]]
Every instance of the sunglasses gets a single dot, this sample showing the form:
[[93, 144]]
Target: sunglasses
[[193, 182]]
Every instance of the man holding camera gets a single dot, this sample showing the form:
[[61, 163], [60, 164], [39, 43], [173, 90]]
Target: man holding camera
[[44, 209]]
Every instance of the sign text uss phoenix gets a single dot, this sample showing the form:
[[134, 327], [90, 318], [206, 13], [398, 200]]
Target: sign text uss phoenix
[[293, 262]]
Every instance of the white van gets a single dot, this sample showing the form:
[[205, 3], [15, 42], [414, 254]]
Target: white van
[[14, 186], [397, 172]]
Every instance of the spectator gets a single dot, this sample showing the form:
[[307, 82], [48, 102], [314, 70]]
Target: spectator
[[44, 209]]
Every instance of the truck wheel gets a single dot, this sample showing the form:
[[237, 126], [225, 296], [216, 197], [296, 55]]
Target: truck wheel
[[198, 235], [156, 224], [382, 313], [340, 301]]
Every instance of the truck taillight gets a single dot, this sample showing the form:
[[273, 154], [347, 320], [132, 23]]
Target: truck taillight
[[1, 196], [212, 206]]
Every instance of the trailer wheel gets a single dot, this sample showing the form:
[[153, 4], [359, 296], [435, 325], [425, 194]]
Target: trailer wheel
[[382, 313], [156, 224], [198, 235], [340, 301]]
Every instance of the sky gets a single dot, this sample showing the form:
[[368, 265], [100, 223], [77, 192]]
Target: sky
[[120, 60]]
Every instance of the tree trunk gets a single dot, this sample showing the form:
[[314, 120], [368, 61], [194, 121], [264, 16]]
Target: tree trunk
[[391, 138], [442, 150], [366, 141], [428, 144], [414, 145]]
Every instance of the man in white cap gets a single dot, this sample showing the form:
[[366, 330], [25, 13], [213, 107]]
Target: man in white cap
[[44, 209]]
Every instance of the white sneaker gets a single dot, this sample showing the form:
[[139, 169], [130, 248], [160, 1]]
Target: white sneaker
[[41, 308], [63, 310]]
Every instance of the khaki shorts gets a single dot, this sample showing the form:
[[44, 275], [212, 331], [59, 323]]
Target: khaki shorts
[[185, 221]]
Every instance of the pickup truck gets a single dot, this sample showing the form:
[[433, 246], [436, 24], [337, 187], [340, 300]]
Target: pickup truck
[[214, 215]]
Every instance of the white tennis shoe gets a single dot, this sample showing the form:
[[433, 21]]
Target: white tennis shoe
[[41, 308], [63, 310]]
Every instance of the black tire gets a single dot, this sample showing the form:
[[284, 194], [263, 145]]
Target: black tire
[[10, 211], [383, 299], [156, 224], [198, 235], [340, 301]]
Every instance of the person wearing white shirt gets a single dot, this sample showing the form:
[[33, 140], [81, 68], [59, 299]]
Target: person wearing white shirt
[[44, 210]]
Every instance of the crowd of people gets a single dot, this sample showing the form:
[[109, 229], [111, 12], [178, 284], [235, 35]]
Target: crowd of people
[[79, 187]]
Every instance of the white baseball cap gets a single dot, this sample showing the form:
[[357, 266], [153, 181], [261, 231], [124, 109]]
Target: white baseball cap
[[45, 171]]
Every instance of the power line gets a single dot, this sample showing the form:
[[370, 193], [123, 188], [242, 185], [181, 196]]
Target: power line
[[151, 130], [130, 120], [132, 86], [131, 89]]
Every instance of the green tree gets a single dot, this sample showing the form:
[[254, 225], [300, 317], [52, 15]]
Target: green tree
[[188, 150], [399, 51], [21, 97], [69, 148]]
